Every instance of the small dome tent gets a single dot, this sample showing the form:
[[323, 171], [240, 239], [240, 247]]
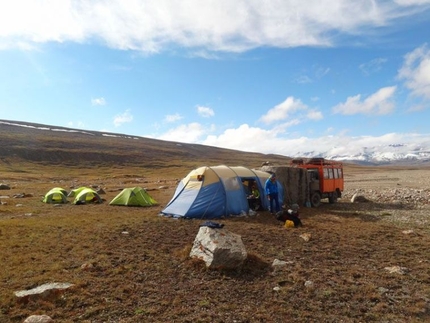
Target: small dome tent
[[87, 195], [217, 191], [76, 191], [135, 196], [57, 195]]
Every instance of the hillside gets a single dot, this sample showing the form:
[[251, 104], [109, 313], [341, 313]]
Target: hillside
[[71, 147]]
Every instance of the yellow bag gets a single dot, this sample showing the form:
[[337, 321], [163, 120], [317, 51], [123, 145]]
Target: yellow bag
[[289, 224]]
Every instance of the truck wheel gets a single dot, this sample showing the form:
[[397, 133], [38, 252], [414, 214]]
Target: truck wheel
[[315, 199], [333, 198]]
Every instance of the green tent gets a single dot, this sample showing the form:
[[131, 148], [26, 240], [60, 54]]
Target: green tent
[[135, 196], [56, 195], [76, 191], [87, 195]]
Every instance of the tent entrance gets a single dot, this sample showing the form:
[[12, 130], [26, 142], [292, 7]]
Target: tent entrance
[[252, 192]]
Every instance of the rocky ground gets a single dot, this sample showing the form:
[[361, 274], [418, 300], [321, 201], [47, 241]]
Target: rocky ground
[[350, 262], [396, 195]]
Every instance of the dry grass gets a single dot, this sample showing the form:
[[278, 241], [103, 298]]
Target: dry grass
[[146, 275]]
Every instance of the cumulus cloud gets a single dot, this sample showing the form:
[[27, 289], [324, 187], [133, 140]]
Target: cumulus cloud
[[122, 118], [173, 117], [244, 138], [205, 112], [283, 110], [224, 25], [98, 101], [187, 133], [379, 103], [416, 71]]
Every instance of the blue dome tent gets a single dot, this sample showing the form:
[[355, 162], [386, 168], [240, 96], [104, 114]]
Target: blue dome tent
[[217, 191]]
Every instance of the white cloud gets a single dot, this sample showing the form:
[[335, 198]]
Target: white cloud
[[375, 65], [122, 118], [98, 101], [380, 103], [412, 2], [243, 138], [224, 25], [173, 117], [283, 110], [277, 141], [416, 71], [314, 115], [187, 133], [303, 79], [205, 112]]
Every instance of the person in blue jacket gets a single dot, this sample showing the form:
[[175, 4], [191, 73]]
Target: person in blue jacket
[[271, 188]]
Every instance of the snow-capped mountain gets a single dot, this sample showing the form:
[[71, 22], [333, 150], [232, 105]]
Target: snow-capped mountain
[[377, 155]]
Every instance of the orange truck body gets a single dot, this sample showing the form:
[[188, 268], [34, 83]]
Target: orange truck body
[[325, 179]]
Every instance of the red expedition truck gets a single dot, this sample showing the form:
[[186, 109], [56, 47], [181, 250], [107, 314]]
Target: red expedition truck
[[325, 179]]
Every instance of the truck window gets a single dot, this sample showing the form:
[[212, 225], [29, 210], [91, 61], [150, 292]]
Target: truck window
[[328, 173], [336, 172]]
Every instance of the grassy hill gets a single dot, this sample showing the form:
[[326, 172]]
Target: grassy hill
[[71, 147]]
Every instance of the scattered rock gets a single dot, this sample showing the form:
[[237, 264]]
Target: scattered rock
[[101, 191], [396, 270], [278, 263], [309, 284], [396, 195], [306, 236], [87, 266], [359, 199], [22, 195], [38, 319], [4, 187], [49, 291]]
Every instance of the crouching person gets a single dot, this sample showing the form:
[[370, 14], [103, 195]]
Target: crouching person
[[291, 215]]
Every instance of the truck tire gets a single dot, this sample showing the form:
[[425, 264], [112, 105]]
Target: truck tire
[[332, 198], [315, 199]]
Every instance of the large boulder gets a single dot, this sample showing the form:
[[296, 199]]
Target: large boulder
[[219, 248]]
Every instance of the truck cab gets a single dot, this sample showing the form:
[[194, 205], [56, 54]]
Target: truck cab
[[325, 179]]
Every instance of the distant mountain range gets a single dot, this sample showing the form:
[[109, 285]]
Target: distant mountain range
[[392, 154]]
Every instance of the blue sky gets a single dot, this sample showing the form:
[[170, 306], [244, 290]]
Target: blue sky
[[268, 76]]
